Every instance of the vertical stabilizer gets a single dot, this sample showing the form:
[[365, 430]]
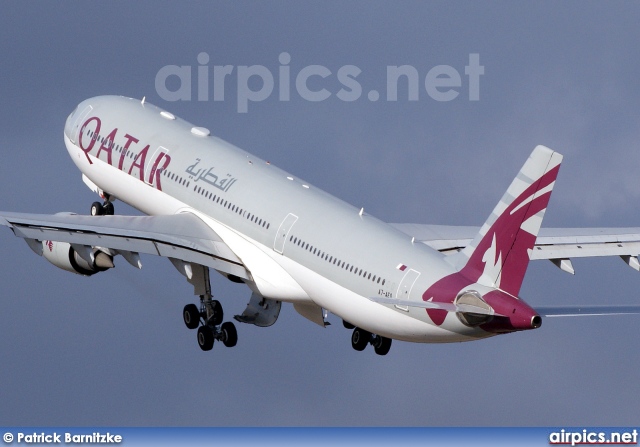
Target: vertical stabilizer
[[499, 254]]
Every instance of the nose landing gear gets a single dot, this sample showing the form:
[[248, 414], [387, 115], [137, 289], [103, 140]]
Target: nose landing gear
[[103, 209]]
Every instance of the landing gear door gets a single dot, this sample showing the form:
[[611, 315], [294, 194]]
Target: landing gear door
[[260, 311], [283, 232], [404, 289]]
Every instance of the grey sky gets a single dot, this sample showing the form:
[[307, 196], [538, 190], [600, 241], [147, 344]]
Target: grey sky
[[113, 350]]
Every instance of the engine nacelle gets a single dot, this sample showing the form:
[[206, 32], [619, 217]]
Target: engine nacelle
[[64, 256]]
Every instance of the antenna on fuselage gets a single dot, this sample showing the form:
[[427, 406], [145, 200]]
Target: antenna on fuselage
[[143, 98]]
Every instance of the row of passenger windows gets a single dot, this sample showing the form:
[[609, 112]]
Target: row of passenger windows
[[171, 175], [184, 182], [337, 262], [176, 178], [251, 217], [110, 143], [230, 206]]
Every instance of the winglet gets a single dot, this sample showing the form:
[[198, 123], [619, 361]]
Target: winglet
[[499, 254]]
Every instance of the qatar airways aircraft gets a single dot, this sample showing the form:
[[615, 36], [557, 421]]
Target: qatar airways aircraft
[[211, 205]]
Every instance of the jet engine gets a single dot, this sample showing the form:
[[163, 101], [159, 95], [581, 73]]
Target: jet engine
[[79, 259]]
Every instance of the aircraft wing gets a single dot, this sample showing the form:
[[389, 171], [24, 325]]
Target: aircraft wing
[[558, 245], [178, 237]]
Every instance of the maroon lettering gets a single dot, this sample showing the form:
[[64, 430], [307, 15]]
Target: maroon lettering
[[130, 140], [139, 162], [156, 171], [88, 149], [107, 145]]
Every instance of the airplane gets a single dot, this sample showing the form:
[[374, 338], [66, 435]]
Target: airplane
[[209, 205]]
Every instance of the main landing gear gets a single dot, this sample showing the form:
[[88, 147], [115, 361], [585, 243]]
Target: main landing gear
[[361, 338], [208, 320], [210, 315]]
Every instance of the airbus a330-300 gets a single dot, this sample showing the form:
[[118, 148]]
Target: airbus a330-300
[[212, 206]]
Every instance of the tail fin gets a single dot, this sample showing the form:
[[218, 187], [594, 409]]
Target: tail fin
[[499, 255]]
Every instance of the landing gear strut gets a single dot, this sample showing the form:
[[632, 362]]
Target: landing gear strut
[[208, 319], [361, 338]]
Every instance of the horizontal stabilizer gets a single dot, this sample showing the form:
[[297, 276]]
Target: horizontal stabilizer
[[551, 243], [584, 311]]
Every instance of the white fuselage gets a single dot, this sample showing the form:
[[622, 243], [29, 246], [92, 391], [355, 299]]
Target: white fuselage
[[299, 244]]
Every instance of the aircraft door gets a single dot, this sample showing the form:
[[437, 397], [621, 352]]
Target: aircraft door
[[153, 163], [283, 232], [404, 289]]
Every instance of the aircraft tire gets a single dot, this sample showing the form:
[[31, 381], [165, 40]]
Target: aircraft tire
[[218, 313], [205, 338], [360, 339], [347, 325], [109, 210], [191, 316], [97, 209], [382, 345], [230, 338]]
